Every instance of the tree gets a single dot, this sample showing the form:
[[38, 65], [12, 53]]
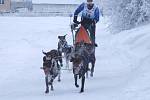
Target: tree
[[126, 14]]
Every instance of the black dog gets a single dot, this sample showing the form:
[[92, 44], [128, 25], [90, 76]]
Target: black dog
[[90, 49], [80, 64]]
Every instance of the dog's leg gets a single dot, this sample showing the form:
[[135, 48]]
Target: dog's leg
[[82, 85], [87, 74], [52, 88], [66, 60], [67, 63], [76, 80], [87, 69], [60, 59], [59, 74], [92, 69], [47, 87]]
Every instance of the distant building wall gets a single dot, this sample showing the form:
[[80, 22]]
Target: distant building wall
[[5, 5], [21, 4], [54, 8]]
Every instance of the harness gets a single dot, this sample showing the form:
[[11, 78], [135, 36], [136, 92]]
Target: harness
[[62, 45]]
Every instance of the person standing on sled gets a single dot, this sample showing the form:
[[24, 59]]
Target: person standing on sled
[[89, 17]]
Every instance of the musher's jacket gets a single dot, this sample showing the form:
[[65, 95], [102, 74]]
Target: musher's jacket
[[92, 14]]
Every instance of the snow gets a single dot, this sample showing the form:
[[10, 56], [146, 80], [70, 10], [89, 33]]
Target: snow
[[121, 73]]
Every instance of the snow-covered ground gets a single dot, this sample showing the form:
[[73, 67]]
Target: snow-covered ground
[[121, 73]]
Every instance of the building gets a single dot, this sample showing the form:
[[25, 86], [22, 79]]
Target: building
[[13, 5], [17, 4], [56, 7], [5, 5], [40, 7]]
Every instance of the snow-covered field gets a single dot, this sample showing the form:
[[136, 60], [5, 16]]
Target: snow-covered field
[[121, 73]]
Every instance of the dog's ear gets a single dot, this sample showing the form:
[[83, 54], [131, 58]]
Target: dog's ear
[[95, 45], [58, 37], [65, 35], [44, 52]]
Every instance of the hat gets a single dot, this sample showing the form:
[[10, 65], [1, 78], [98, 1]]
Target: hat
[[89, 0]]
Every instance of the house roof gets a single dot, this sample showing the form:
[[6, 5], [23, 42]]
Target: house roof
[[59, 1]]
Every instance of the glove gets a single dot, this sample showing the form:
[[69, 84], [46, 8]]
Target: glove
[[73, 26], [75, 20]]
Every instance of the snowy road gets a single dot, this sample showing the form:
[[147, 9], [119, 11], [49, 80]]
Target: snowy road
[[122, 68]]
